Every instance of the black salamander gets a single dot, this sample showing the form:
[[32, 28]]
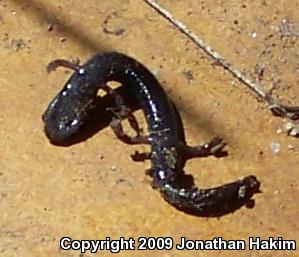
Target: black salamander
[[68, 111]]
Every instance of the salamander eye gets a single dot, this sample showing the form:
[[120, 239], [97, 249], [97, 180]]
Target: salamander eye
[[74, 122], [68, 123]]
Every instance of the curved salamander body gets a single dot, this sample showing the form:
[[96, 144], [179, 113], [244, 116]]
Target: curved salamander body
[[69, 109]]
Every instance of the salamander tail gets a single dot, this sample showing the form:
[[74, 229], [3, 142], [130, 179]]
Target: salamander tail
[[215, 201]]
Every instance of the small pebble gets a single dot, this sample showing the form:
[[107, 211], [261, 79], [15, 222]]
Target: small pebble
[[294, 132], [287, 127], [279, 131], [50, 27], [113, 168], [275, 147], [253, 34], [290, 128], [291, 147], [156, 72]]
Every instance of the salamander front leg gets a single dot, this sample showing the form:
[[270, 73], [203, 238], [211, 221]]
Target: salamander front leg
[[119, 132], [53, 65], [214, 147], [121, 111]]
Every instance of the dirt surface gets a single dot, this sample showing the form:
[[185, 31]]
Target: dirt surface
[[92, 189]]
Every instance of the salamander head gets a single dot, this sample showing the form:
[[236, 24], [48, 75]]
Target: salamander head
[[61, 120], [67, 111]]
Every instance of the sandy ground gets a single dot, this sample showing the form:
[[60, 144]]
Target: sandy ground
[[92, 189]]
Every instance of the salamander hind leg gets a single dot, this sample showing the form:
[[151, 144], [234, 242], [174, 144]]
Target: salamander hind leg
[[141, 157], [214, 147]]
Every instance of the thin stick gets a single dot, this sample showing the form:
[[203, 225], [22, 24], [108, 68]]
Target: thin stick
[[273, 104]]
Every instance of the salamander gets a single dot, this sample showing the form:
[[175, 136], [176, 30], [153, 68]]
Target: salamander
[[69, 109]]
